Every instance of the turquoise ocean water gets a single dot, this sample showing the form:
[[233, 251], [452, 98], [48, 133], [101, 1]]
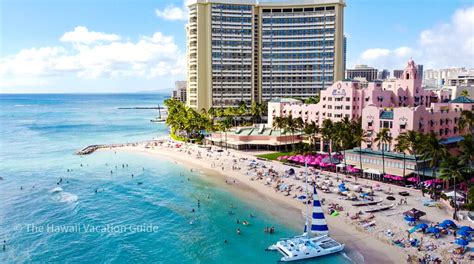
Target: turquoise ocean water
[[144, 219]]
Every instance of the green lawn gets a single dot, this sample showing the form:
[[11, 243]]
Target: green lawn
[[274, 156]]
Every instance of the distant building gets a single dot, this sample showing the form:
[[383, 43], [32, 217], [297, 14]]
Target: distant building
[[465, 78], [383, 74], [179, 91], [397, 74], [363, 71], [419, 69], [438, 77]]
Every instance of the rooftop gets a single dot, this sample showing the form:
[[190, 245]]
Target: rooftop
[[462, 100], [269, 2], [285, 100], [387, 154]]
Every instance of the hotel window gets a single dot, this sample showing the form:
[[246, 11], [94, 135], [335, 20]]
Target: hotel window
[[329, 115], [348, 107], [348, 99], [403, 126]]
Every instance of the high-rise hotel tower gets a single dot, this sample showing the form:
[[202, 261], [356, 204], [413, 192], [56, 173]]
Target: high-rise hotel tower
[[254, 51]]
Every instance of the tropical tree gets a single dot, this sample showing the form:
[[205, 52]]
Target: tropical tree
[[359, 136], [255, 112], [311, 129], [415, 143], [279, 123], [433, 151], [327, 133], [466, 157], [466, 121], [224, 125], [464, 93], [402, 147], [312, 100], [450, 170], [382, 139]]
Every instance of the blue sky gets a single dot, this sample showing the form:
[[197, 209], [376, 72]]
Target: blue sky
[[130, 45]]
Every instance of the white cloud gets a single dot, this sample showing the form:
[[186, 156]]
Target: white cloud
[[372, 54], [172, 13], [149, 57], [82, 35], [445, 45]]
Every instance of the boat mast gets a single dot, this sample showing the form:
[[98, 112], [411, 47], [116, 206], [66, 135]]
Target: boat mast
[[307, 197]]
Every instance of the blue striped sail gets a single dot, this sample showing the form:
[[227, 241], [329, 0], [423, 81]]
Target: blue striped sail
[[318, 222]]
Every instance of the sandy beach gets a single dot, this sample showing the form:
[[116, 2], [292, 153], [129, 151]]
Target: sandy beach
[[368, 239]]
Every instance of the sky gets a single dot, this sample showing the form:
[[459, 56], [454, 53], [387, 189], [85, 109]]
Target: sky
[[90, 46]]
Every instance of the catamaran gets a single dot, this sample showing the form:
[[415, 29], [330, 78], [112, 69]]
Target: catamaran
[[314, 242], [158, 119]]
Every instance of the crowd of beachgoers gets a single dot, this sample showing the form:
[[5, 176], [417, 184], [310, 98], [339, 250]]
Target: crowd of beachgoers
[[379, 210]]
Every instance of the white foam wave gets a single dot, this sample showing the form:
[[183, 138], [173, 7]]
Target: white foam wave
[[66, 197], [59, 195], [56, 190]]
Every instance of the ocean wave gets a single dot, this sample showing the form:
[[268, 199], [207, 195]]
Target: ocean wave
[[60, 195], [56, 190]]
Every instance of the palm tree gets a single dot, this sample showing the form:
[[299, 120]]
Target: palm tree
[[224, 125], [466, 157], [382, 138], [402, 147], [466, 121], [434, 151], [360, 136], [255, 111], [327, 133], [311, 129], [464, 93], [415, 143], [278, 123], [450, 170]]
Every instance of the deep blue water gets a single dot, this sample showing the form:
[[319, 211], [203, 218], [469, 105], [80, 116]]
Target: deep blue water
[[144, 219]]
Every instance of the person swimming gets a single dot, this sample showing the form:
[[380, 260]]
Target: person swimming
[[238, 231]]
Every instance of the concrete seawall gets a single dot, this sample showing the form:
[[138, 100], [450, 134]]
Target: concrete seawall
[[90, 149]]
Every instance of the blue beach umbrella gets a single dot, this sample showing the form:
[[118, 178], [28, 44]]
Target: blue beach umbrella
[[463, 232], [422, 225], [461, 242], [467, 228], [449, 223], [433, 230], [443, 225], [409, 218]]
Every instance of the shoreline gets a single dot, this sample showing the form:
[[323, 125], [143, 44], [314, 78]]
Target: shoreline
[[360, 247]]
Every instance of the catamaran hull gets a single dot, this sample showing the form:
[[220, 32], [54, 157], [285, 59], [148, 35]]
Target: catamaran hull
[[287, 258]]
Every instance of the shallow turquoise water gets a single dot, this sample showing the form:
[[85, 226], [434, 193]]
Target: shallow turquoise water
[[147, 218]]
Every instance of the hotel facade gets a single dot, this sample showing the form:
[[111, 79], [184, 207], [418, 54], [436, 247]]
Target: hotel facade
[[399, 105], [251, 51]]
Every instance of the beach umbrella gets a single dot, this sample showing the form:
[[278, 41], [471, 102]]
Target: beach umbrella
[[422, 225], [449, 223], [409, 218], [463, 232], [415, 213], [461, 242], [467, 228], [433, 230], [412, 179], [443, 225]]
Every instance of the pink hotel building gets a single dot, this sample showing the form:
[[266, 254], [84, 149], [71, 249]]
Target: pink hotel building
[[399, 105]]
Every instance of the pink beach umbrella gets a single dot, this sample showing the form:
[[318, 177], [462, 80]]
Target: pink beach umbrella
[[412, 179]]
